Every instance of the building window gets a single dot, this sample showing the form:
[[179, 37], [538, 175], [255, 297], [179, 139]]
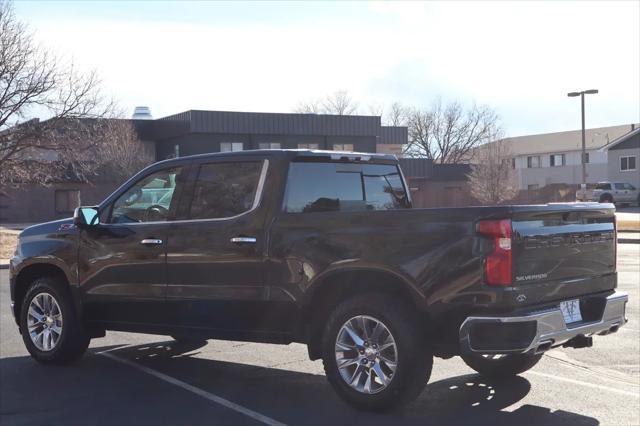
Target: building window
[[269, 145], [67, 200], [513, 163], [533, 162], [343, 147], [533, 186], [556, 160], [627, 163], [231, 146], [308, 146]]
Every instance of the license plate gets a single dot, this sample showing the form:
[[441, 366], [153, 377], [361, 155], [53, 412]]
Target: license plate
[[571, 311]]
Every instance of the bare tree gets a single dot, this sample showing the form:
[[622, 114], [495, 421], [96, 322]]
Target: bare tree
[[376, 109], [122, 152], [448, 133], [309, 107], [493, 179], [398, 115], [34, 82], [337, 103]]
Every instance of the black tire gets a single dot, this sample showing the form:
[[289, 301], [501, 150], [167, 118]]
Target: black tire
[[606, 198], [414, 360], [73, 340], [505, 366]]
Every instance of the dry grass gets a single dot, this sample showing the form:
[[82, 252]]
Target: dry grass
[[628, 225], [8, 241]]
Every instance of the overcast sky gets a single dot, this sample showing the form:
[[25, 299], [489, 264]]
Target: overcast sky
[[519, 58]]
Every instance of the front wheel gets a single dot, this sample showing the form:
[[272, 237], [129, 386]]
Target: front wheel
[[50, 327], [502, 365], [374, 353]]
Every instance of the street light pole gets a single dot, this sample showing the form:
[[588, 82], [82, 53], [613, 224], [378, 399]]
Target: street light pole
[[584, 146]]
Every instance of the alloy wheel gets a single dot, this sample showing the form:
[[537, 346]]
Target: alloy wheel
[[366, 354], [44, 321]]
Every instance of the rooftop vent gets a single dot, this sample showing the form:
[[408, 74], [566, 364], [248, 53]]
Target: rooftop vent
[[142, 113]]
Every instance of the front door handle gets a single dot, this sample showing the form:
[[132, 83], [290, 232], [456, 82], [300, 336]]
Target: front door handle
[[151, 242], [243, 240]]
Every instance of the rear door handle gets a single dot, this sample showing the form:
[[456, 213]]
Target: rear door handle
[[243, 240], [151, 242]]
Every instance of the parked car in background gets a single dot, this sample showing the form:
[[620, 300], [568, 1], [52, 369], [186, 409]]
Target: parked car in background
[[610, 192]]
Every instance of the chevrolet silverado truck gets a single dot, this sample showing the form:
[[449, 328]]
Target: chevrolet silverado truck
[[322, 248]]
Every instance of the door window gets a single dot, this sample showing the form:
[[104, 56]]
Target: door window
[[148, 200], [225, 190], [619, 186]]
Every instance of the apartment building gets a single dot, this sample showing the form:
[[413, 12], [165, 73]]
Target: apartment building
[[554, 158]]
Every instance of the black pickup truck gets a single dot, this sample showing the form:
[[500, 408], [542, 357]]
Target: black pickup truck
[[323, 248]]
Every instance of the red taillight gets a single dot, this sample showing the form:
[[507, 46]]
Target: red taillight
[[497, 264]]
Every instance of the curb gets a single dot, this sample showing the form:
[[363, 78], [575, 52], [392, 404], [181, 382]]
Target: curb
[[4, 266]]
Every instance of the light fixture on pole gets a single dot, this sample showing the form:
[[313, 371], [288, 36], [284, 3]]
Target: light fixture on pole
[[584, 148]]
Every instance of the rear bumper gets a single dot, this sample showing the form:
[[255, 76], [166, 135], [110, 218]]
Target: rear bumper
[[536, 331]]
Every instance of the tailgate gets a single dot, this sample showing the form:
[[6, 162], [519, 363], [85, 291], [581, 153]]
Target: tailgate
[[562, 243]]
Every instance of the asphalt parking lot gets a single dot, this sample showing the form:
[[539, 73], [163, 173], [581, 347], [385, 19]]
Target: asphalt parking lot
[[139, 379]]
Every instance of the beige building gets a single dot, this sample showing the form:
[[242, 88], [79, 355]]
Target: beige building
[[554, 158]]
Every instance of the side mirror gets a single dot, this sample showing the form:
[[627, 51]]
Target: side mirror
[[86, 216]]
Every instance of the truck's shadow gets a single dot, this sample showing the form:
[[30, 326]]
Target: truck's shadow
[[301, 398], [100, 391]]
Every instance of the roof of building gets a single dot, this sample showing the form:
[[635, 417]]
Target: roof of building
[[235, 122], [566, 141], [617, 143]]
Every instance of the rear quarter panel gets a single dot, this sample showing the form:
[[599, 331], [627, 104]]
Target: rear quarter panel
[[430, 250]]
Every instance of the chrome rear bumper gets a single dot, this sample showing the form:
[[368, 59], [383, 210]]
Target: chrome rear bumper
[[550, 328]]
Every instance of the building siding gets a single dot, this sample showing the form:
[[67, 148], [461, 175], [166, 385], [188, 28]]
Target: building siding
[[630, 176]]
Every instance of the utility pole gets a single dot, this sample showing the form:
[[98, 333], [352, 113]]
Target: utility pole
[[584, 146]]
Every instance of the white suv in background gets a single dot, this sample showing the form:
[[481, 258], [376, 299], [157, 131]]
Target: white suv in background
[[610, 192]]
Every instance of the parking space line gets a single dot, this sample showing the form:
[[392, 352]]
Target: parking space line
[[186, 386], [586, 384]]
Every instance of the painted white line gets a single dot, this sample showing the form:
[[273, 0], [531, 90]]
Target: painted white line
[[586, 384], [186, 386]]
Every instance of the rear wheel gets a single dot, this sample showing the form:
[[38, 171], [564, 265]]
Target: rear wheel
[[501, 365], [374, 354], [50, 326], [606, 198]]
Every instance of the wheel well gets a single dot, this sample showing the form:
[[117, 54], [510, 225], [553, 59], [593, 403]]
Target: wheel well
[[340, 286], [30, 274]]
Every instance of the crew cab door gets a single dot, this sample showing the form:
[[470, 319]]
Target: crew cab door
[[121, 261], [216, 253]]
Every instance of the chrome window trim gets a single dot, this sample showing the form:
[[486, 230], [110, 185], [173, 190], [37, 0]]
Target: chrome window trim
[[256, 202]]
